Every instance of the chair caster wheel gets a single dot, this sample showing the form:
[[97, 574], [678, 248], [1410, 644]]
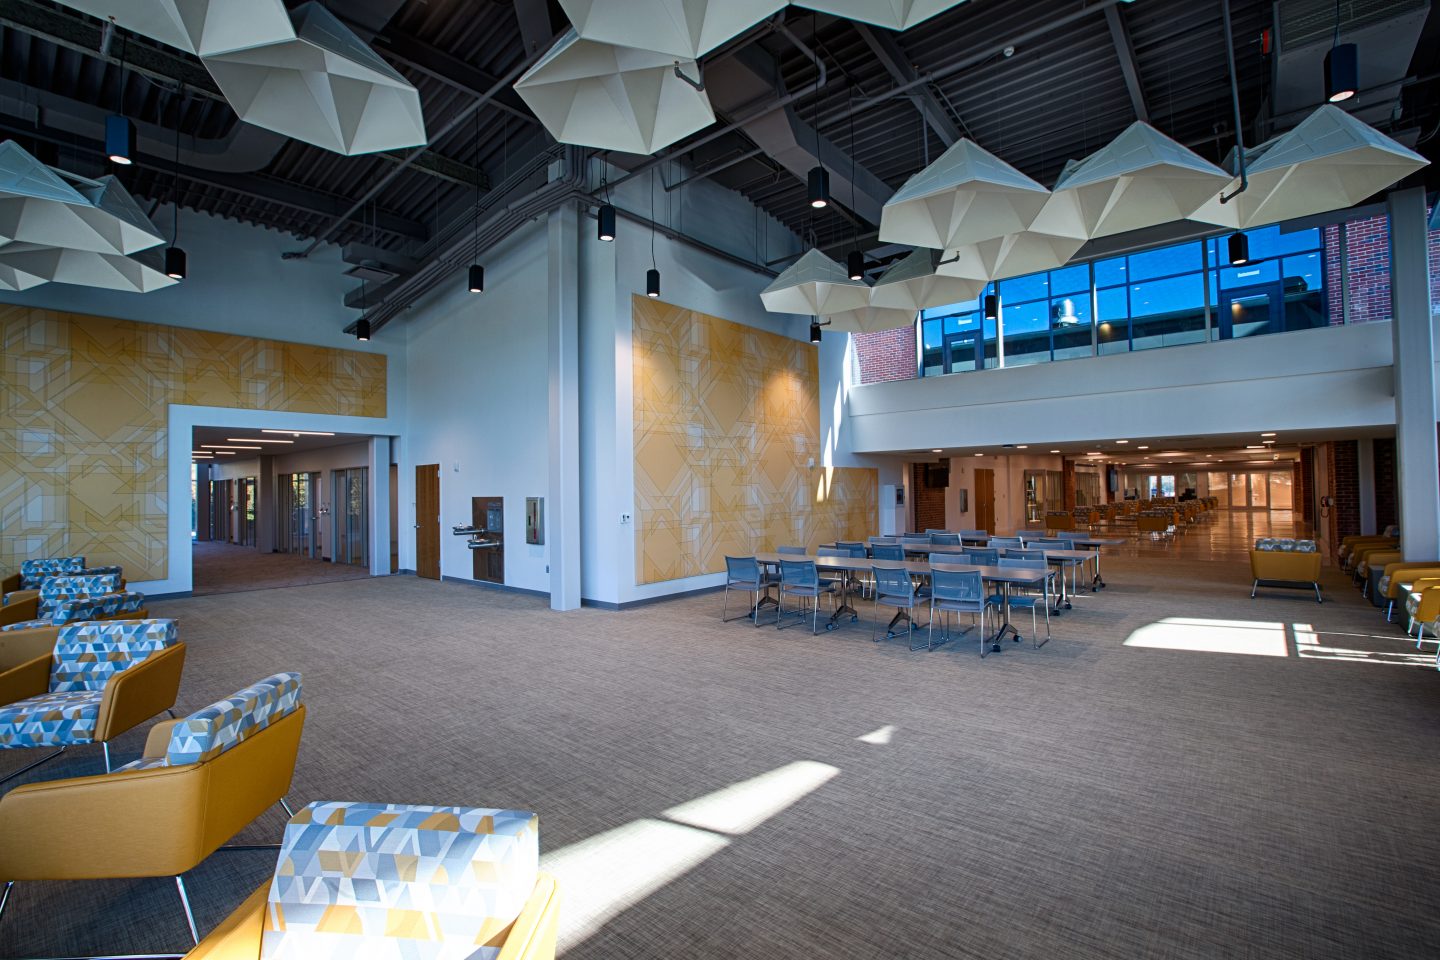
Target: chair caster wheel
[[1069, 606], [829, 627], [995, 648]]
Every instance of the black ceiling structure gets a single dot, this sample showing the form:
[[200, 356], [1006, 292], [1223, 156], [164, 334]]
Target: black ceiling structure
[[1037, 83]]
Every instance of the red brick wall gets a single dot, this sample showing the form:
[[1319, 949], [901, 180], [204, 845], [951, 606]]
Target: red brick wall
[[1386, 507], [929, 502], [1305, 486], [887, 355], [1345, 488]]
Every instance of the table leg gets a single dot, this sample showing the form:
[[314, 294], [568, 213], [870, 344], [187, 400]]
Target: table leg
[[1098, 582], [1005, 624], [843, 606]]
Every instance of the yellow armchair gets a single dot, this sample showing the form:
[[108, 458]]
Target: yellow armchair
[[1421, 606], [1397, 572], [201, 780], [1272, 564]]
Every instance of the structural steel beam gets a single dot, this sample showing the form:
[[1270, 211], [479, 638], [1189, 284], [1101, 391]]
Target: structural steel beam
[[892, 58], [1125, 51]]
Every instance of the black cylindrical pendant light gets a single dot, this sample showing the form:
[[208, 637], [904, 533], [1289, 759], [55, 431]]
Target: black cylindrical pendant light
[[1239, 249], [120, 140], [175, 263], [992, 306], [819, 187], [855, 265], [607, 222], [1342, 72], [477, 278], [362, 329], [652, 283], [814, 331]]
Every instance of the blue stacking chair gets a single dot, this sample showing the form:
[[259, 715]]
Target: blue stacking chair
[[955, 591], [895, 589], [1031, 600], [792, 551], [949, 556], [890, 552], [945, 539], [800, 579], [984, 555], [744, 573], [1006, 542]]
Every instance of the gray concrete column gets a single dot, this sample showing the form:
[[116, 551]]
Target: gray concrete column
[[265, 526], [562, 501], [378, 463], [1416, 484]]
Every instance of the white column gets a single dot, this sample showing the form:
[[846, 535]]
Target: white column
[[562, 503], [378, 463], [1415, 439], [1365, 467]]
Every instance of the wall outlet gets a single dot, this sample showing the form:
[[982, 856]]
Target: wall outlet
[[624, 518]]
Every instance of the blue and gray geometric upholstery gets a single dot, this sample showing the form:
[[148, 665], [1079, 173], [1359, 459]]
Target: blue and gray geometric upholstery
[[1286, 545], [86, 656], [34, 572], [387, 881], [207, 733], [57, 590], [51, 719]]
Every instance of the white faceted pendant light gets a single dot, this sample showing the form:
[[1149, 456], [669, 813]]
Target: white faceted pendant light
[[324, 86], [1142, 178], [1328, 162], [815, 285], [891, 14], [1012, 255], [38, 206], [612, 97], [201, 27], [109, 271], [912, 284], [687, 29], [966, 196]]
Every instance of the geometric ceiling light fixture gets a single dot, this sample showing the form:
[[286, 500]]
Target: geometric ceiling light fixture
[[966, 195], [201, 27], [687, 29], [38, 206], [815, 285], [1013, 255], [1140, 179], [141, 273], [612, 97], [1330, 161], [323, 86], [913, 285], [890, 14]]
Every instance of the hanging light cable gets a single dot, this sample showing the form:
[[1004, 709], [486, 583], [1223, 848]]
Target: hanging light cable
[[652, 276], [119, 131], [174, 256], [855, 259], [476, 280], [1342, 66], [818, 184], [605, 229], [362, 326]]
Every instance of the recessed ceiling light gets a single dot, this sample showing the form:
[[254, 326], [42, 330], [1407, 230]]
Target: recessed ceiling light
[[1255, 446], [937, 450], [1142, 448], [1267, 434], [226, 446], [1022, 446], [254, 440], [1122, 441], [979, 454], [1054, 451], [1095, 454], [226, 453], [302, 433]]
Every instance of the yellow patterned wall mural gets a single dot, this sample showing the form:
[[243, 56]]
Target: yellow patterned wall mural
[[84, 407], [727, 418]]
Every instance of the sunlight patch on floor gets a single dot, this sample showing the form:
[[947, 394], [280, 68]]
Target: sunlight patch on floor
[[603, 875], [1308, 646], [881, 736], [1250, 637]]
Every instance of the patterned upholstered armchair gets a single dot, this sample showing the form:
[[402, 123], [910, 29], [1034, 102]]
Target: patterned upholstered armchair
[[34, 572], [100, 680], [202, 779], [421, 882], [70, 599], [1282, 562]]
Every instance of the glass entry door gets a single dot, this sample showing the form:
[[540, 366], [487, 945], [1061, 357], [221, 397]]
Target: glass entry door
[[1253, 491], [351, 519], [296, 513], [247, 512]]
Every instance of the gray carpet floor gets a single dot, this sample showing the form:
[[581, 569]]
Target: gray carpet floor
[[1088, 799]]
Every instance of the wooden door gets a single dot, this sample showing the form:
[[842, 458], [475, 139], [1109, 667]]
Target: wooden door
[[985, 500], [427, 520]]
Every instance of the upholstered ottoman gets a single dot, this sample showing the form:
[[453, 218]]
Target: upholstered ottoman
[[381, 881]]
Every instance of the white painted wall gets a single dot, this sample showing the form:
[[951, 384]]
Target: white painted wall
[[1009, 488], [1332, 378], [477, 389]]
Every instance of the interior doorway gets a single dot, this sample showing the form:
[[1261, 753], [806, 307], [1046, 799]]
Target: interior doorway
[[985, 499], [352, 519], [427, 520], [297, 516]]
